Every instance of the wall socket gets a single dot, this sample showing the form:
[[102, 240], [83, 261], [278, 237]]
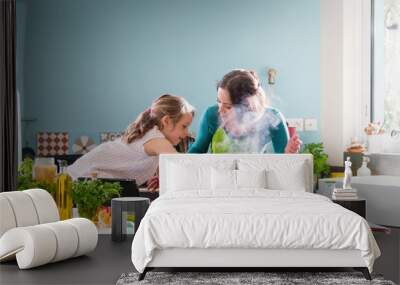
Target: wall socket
[[297, 122], [310, 125]]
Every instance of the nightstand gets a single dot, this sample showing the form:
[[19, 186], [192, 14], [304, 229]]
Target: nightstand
[[123, 207], [358, 206]]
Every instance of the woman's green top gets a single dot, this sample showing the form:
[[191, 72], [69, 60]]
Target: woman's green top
[[271, 136]]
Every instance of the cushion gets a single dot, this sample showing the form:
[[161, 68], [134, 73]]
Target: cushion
[[281, 174], [45, 206], [183, 177], [223, 179], [23, 208], [34, 244], [40, 244], [226, 179], [251, 178], [7, 220], [87, 233], [295, 180], [193, 175], [67, 240], [26, 208], [173, 165]]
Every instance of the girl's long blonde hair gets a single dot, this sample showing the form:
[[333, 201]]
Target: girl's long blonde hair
[[166, 105]]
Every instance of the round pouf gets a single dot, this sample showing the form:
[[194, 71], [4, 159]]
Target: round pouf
[[120, 207]]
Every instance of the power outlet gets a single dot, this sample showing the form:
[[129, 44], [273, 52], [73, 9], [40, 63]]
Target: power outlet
[[298, 123], [310, 124]]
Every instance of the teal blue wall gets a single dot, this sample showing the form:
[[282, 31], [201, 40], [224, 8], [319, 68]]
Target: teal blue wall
[[94, 65]]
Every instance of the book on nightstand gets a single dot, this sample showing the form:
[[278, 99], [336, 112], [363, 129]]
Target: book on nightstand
[[344, 194]]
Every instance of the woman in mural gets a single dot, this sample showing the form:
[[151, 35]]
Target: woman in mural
[[242, 121]]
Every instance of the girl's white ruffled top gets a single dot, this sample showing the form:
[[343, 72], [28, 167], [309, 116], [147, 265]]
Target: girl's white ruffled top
[[116, 159]]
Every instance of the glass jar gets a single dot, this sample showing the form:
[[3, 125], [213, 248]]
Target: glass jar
[[44, 169]]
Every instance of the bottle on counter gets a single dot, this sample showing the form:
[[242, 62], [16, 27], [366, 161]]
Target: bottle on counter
[[64, 192]]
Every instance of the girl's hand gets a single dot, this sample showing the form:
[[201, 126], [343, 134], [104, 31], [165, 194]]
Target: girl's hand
[[153, 184], [293, 145]]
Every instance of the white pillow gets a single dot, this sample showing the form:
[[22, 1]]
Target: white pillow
[[281, 174], [251, 178], [227, 179], [293, 180], [181, 177], [193, 174], [223, 179]]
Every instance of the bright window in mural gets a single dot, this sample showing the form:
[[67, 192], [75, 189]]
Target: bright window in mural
[[386, 80]]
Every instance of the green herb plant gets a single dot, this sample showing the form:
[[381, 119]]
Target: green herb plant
[[25, 180], [89, 195], [321, 167]]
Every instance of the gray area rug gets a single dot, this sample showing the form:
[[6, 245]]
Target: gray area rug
[[228, 278]]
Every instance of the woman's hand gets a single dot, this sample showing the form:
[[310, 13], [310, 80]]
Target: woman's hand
[[293, 145], [153, 184]]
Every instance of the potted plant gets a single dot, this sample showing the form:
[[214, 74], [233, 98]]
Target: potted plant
[[90, 195], [320, 158]]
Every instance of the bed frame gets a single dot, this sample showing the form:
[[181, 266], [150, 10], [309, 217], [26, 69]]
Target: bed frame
[[246, 259]]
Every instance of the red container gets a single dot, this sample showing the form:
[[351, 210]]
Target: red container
[[292, 131]]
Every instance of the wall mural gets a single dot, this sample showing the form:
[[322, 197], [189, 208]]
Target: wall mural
[[52, 143], [83, 145]]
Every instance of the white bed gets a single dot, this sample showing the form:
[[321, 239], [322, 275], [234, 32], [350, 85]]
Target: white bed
[[247, 211]]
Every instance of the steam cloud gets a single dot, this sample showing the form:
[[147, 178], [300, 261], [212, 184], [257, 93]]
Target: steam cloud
[[249, 132]]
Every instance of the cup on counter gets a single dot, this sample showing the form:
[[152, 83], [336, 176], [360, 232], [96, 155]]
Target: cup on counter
[[292, 131]]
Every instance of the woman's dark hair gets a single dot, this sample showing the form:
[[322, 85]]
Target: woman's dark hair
[[242, 85]]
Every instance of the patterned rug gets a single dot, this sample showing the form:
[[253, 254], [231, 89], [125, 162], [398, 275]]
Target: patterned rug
[[242, 278]]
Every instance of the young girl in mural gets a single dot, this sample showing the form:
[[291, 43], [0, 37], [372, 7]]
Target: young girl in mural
[[135, 155], [242, 121]]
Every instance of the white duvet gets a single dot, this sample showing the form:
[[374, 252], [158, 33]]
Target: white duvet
[[250, 219]]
